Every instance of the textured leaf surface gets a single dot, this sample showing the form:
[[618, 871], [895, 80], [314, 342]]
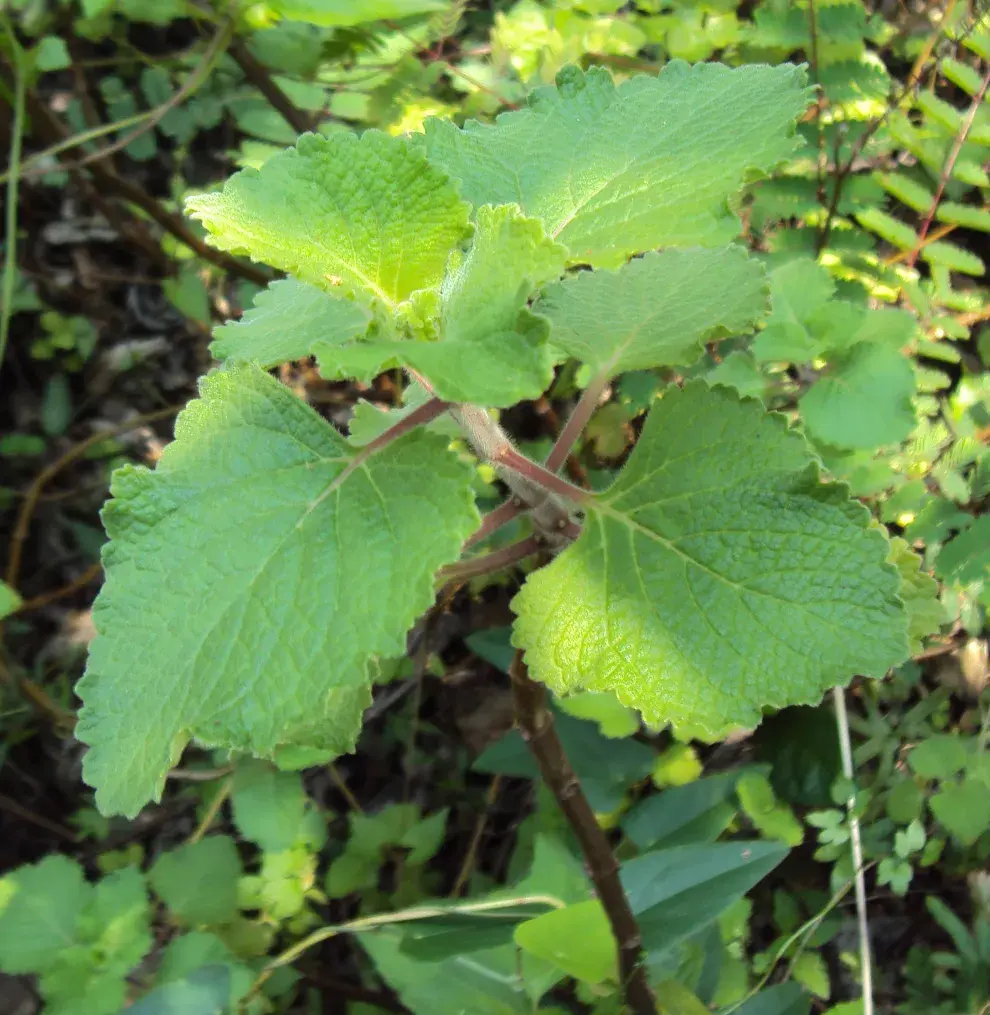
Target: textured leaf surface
[[251, 576], [656, 310], [863, 400], [287, 320], [616, 170], [799, 290], [354, 214], [716, 577], [491, 350]]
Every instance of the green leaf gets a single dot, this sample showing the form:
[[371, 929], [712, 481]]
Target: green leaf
[[809, 969], [204, 992], [697, 812], [676, 892], [939, 756], [342, 13], [271, 808], [10, 601], [799, 290], [286, 321], [966, 557], [363, 215], [263, 517], [717, 537], [863, 400], [784, 999], [919, 591], [40, 917], [578, 939], [770, 817], [490, 350], [198, 881], [657, 310], [614, 719], [482, 983], [581, 159], [964, 809]]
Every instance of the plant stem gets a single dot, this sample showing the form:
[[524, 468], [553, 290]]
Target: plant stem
[[577, 421], [420, 416], [490, 562], [13, 181], [257, 73], [494, 520], [950, 162], [535, 721], [845, 749]]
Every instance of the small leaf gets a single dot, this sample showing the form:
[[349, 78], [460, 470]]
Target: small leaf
[[41, 914], [784, 999], [966, 557], [963, 809], [198, 881], [697, 812], [286, 321], [658, 310], [10, 601], [717, 534], [939, 756], [344, 13], [578, 939], [205, 991], [863, 400], [489, 348], [363, 215], [581, 159], [799, 290], [271, 808], [810, 970], [614, 719]]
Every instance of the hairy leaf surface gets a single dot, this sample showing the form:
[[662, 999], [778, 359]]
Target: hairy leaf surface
[[490, 349], [364, 215], [249, 579], [656, 310], [615, 170], [287, 320], [717, 576]]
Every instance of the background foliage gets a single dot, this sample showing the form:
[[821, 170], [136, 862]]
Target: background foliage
[[428, 872]]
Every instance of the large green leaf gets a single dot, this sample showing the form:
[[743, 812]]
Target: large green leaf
[[697, 812], [205, 991], [287, 320], [489, 348], [616, 170], [656, 310], [364, 215], [716, 577], [783, 999], [250, 578]]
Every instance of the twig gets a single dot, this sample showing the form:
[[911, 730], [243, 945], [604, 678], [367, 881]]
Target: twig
[[345, 790], [494, 520], [576, 422], [219, 799], [535, 721], [471, 857], [842, 172], [488, 563], [950, 163], [13, 807], [51, 131], [50, 471], [816, 80], [257, 73], [13, 183], [93, 571], [845, 747]]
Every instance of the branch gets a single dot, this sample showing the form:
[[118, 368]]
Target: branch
[[257, 73], [488, 563], [425, 413], [494, 520], [950, 162], [535, 721], [51, 131], [576, 423]]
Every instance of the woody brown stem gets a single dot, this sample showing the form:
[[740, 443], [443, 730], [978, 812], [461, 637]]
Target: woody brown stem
[[535, 722]]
